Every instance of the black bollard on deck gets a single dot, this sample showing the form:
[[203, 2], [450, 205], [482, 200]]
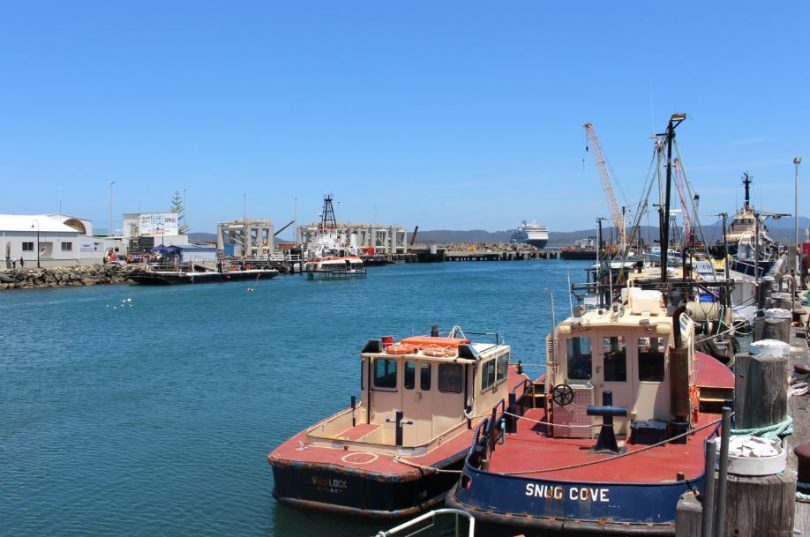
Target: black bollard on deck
[[607, 437]]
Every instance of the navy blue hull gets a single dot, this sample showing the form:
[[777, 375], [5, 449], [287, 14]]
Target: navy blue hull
[[345, 490], [621, 508]]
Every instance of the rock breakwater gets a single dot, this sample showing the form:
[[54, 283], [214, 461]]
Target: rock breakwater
[[76, 276]]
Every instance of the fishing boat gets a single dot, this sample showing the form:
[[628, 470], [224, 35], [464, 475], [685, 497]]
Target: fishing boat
[[335, 268], [751, 249], [619, 434], [398, 451]]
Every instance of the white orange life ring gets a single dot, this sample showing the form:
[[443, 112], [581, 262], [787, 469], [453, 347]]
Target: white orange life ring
[[439, 352], [399, 348]]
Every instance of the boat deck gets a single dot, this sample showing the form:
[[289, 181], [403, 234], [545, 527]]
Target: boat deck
[[349, 453], [531, 453]]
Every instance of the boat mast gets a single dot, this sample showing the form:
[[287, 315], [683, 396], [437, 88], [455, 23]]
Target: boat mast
[[674, 121], [328, 220], [747, 183]]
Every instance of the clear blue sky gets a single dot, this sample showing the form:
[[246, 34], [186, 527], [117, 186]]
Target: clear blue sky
[[442, 114]]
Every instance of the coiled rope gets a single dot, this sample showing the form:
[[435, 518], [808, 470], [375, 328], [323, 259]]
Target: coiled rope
[[771, 432]]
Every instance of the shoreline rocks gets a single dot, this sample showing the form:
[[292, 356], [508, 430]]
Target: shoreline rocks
[[74, 276]]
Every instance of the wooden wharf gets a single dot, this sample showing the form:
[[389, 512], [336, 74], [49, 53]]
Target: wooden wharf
[[768, 505], [481, 252]]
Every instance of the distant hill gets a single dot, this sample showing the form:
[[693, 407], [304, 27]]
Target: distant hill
[[202, 237], [781, 230], [440, 236]]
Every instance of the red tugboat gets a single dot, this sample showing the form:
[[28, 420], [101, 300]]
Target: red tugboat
[[398, 451], [548, 470], [626, 409]]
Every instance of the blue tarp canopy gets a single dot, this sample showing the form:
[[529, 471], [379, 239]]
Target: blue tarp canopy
[[160, 249]]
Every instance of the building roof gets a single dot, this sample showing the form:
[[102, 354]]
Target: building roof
[[32, 222]]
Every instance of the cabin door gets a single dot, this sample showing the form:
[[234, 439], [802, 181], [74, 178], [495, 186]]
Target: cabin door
[[613, 370], [417, 405]]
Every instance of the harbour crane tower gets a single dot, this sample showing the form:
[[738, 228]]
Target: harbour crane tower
[[601, 164]]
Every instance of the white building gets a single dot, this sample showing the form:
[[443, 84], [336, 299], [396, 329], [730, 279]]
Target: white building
[[48, 241]]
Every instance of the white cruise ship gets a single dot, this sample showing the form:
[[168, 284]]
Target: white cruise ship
[[530, 233]]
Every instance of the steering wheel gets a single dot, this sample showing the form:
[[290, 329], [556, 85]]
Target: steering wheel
[[562, 394]]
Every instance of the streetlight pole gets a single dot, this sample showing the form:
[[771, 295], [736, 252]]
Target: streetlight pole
[[796, 161], [109, 215]]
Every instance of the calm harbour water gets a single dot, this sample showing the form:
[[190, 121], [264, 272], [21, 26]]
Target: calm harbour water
[[132, 410]]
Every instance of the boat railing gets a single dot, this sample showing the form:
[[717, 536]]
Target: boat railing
[[502, 420], [496, 335], [427, 521]]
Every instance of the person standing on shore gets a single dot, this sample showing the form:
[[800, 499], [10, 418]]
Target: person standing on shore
[[22, 262]]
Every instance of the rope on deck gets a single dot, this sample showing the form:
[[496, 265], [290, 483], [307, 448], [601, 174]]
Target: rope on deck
[[771, 432], [433, 469], [802, 497], [616, 457]]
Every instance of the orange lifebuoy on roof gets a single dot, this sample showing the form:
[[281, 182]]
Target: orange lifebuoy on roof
[[399, 348], [437, 351]]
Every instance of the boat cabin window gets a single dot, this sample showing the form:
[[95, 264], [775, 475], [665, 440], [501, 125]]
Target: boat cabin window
[[579, 358], [494, 371], [488, 374], [410, 375], [651, 358], [614, 351], [385, 373], [503, 367], [450, 378], [424, 376]]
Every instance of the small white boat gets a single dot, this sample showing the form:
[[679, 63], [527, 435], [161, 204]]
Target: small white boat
[[335, 268]]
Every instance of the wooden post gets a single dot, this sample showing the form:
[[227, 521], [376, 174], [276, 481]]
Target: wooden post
[[782, 300], [761, 506], [773, 328], [688, 515], [760, 394], [763, 292]]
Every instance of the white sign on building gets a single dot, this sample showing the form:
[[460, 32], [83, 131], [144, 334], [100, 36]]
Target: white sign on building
[[150, 224]]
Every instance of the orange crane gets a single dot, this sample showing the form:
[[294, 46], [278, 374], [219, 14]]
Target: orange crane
[[601, 164]]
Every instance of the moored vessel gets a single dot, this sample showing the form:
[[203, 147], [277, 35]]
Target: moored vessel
[[630, 374], [619, 423], [397, 451], [335, 268], [173, 277], [530, 233]]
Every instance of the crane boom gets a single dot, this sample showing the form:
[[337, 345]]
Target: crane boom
[[601, 164], [285, 226], [687, 219]]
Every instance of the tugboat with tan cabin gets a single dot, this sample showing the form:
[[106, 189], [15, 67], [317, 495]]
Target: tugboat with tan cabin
[[397, 452], [620, 430]]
